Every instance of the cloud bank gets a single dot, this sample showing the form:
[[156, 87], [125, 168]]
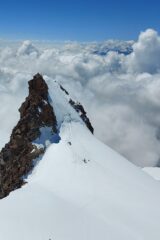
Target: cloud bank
[[117, 82]]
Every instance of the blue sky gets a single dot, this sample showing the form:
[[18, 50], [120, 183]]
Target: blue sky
[[81, 20]]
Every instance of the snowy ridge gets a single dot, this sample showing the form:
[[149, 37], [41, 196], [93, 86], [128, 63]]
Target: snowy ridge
[[124, 89], [153, 171], [81, 190], [60, 102]]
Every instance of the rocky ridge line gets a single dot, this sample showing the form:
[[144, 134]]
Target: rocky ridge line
[[36, 115], [16, 158], [80, 110]]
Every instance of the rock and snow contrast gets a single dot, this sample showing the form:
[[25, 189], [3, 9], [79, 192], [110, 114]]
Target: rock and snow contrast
[[27, 138], [36, 129], [79, 189], [117, 82]]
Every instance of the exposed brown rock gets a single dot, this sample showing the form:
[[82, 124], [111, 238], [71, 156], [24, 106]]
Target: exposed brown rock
[[16, 158], [18, 155]]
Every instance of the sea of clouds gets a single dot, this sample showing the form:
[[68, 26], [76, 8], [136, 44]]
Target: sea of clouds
[[117, 82]]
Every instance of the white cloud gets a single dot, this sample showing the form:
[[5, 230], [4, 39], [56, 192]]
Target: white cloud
[[146, 53], [27, 48], [121, 93]]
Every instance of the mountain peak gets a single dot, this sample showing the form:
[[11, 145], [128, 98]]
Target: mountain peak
[[37, 106], [36, 117], [38, 86], [79, 184], [37, 127]]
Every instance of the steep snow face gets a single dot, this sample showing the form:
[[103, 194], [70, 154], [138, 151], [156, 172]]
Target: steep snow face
[[82, 190], [60, 102], [153, 171]]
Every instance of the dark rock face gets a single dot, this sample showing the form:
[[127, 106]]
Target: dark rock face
[[36, 114], [16, 158], [79, 109], [64, 90]]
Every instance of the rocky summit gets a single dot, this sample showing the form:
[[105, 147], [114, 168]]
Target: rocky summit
[[37, 126], [16, 158]]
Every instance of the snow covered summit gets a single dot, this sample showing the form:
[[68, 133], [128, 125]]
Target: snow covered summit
[[36, 129], [80, 189]]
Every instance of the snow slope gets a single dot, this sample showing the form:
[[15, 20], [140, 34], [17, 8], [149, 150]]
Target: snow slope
[[81, 190], [153, 171]]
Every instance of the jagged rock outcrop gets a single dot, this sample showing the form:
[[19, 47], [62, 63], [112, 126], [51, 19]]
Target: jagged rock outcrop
[[80, 110], [82, 113], [25, 145], [16, 158]]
